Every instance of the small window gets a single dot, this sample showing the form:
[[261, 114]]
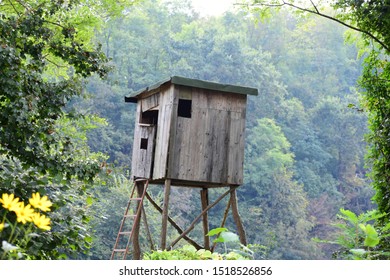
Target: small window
[[185, 108], [149, 117], [144, 144]]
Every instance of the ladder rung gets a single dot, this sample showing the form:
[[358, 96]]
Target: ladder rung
[[125, 232], [130, 216], [140, 179], [127, 215], [119, 250]]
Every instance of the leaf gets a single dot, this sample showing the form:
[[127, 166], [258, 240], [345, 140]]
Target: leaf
[[189, 248], [359, 252], [349, 215], [216, 231], [372, 238], [386, 227], [371, 242], [89, 200], [204, 254], [229, 237], [219, 240]]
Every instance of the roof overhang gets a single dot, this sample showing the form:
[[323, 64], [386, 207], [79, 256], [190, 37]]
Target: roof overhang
[[177, 80]]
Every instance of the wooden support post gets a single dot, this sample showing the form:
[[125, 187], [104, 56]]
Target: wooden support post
[[223, 221], [192, 225], [237, 218], [172, 222], [136, 244], [204, 195], [149, 235], [167, 190]]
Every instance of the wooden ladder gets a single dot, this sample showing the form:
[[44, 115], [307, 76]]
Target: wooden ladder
[[127, 229]]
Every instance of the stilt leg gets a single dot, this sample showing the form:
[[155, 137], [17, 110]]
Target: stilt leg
[[172, 222], [192, 225], [225, 215], [204, 194], [149, 235], [167, 190], [237, 218], [136, 244]]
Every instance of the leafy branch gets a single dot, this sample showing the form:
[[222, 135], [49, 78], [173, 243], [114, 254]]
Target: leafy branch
[[315, 10]]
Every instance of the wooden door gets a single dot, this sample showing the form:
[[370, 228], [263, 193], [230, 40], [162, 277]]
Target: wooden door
[[143, 154]]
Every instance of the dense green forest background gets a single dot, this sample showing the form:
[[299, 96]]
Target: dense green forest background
[[304, 157]]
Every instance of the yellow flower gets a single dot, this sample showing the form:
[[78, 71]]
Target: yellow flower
[[41, 221], [2, 226], [24, 213], [9, 201], [40, 203]]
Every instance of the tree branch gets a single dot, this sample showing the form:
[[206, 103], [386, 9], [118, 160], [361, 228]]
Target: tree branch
[[55, 64], [318, 13], [54, 23], [315, 7], [13, 6]]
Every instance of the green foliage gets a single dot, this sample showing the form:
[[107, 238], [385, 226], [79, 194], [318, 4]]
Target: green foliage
[[268, 149], [189, 252], [371, 19], [299, 164], [359, 235], [304, 145], [110, 197], [278, 214], [45, 52], [30, 104], [375, 81], [300, 167]]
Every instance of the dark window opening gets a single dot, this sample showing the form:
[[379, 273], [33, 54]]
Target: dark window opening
[[185, 108], [149, 117], [144, 144]]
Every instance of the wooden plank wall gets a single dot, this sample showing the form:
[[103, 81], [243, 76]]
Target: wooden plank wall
[[150, 102], [136, 143], [167, 98], [236, 148], [142, 158], [209, 146]]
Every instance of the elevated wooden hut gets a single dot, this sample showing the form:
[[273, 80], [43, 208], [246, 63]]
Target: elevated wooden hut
[[190, 133]]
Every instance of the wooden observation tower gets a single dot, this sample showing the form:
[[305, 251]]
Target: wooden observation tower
[[188, 133]]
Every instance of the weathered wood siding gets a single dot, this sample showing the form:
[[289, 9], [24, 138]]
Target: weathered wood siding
[[163, 132], [209, 146], [236, 147], [150, 102], [142, 159], [136, 143]]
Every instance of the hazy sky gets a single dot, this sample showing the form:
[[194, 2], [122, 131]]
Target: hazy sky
[[212, 7]]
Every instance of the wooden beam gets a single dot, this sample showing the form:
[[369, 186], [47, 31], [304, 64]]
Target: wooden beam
[[236, 217], [149, 235], [223, 221], [136, 245], [191, 227], [204, 196], [167, 190], [172, 222]]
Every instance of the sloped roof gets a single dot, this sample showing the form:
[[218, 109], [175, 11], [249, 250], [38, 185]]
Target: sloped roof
[[177, 80]]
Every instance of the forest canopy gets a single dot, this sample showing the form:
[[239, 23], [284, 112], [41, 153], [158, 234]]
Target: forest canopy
[[67, 133]]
